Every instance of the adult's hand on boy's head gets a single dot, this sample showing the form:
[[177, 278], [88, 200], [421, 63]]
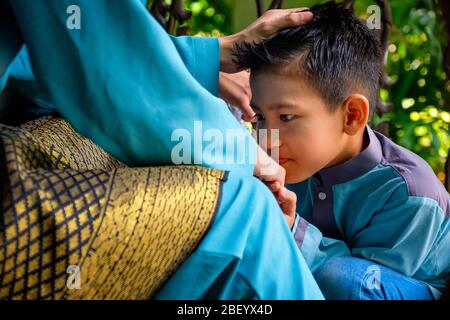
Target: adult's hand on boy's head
[[269, 23], [235, 90], [273, 21]]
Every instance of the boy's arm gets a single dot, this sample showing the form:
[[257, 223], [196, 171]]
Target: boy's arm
[[316, 248], [402, 236]]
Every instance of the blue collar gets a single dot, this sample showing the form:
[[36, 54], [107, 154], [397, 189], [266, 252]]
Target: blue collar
[[365, 161]]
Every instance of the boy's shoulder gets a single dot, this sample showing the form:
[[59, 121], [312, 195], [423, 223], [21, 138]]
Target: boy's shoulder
[[420, 179]]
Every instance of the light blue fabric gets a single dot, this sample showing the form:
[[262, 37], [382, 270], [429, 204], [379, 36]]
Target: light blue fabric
[[121, 42], [121, 81], [247, 254], [21, 80], [193, 50], [349, 278], [196, 53], [380, 222], [10, 40]]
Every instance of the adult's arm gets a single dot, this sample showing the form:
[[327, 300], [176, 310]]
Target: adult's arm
[[126, 90]]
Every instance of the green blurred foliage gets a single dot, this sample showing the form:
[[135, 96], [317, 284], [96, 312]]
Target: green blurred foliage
[[209, 17], [420, 92]]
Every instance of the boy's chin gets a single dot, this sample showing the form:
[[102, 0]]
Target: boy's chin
[[295, 177]]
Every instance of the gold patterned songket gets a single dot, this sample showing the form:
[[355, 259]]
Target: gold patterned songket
[[78, 224]]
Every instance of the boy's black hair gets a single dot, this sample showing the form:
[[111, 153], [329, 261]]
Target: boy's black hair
[[336, 52]]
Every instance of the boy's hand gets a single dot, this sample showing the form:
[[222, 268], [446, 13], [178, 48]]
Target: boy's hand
[[287, 201], [267, 169], [273, 175]]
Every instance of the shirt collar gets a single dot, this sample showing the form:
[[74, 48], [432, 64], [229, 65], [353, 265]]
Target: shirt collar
[[364, 162]]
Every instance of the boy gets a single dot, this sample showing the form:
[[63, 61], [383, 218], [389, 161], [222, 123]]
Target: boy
[[373, 218]]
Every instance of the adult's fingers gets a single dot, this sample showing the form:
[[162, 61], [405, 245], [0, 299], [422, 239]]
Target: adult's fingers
[[288, 201], [295, 18], [277, 19], [235, 90]]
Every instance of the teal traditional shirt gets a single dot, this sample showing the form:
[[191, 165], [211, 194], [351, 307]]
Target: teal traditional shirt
[[384, 205]]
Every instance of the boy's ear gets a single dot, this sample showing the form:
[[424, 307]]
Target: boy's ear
[[356, 112]]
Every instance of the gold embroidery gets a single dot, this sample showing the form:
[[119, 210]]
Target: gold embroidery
[[67, 202]]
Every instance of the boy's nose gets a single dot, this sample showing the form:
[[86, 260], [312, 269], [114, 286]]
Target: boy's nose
[[270, 139]]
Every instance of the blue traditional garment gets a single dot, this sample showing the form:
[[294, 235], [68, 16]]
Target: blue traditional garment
[[385, 205], [122, 82]]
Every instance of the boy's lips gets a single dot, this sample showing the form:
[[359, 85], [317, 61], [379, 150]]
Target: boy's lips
[[283, 160]]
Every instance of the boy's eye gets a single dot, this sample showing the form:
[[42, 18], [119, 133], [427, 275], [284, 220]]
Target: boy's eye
[[287, 117]]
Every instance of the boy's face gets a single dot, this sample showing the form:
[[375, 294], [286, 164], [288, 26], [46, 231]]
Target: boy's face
[[310, 136]]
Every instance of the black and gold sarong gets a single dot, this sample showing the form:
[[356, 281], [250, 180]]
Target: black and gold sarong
[[75, 223]]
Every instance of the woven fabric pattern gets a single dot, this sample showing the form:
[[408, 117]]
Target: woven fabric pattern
[[76, 223]]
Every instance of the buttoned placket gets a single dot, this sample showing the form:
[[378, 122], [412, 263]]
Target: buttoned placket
[[323, 214]]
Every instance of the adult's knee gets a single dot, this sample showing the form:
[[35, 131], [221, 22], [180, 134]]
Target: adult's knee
[[247, 211], [244, 191]]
